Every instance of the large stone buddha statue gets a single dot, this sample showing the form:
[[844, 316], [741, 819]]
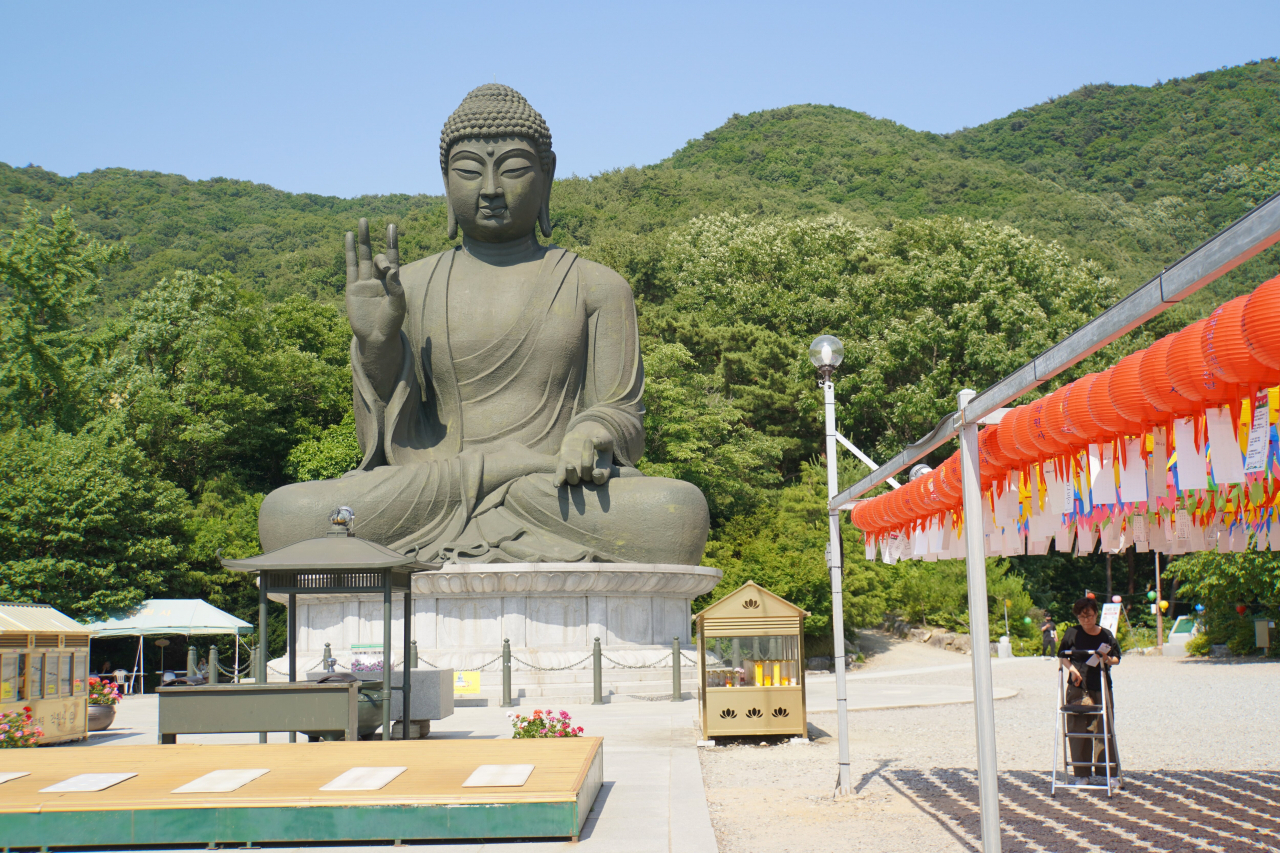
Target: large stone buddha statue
[[498, 385]]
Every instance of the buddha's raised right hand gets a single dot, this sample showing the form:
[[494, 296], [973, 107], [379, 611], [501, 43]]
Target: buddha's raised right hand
[[376, 306]]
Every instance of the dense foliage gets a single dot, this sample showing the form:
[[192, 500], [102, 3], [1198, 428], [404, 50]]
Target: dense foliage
[[171, 350]]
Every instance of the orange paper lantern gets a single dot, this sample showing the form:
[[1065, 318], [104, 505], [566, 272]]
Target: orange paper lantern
[[1079, 421], [991, 463], [1260, 323], [1054, 437], [949, 480], [1227, 353], [1103, 411], [1022, 451], [1125, 390], [1187, 370], [1156, 385]]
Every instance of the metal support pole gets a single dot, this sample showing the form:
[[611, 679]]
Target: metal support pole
[[213, 664], [409, 648], [386, 654], [293, 648], [835, 562], [979, 634], [1108, 577], [597, 688], [413, 654], [506, 674], [261, 674], [675, 670], [1159, 612], [191, 661]]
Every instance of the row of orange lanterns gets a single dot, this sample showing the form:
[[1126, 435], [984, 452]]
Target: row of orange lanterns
[[1217, 361]]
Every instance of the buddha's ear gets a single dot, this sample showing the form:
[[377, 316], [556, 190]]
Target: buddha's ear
[[452, 227], [544, 215]]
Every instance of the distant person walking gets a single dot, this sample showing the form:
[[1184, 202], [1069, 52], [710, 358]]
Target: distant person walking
[[1048, 637], [1088, 652]]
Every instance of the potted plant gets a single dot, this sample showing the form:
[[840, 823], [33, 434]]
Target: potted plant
[[16, 729], [103, 696]]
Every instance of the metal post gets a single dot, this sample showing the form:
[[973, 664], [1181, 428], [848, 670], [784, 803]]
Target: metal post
[[260, 677], [506, 674], [409, 648], [1159, 612], [413, 653], [293, 647], [836, 565], [1108, 577], [386, 654], [675, 670], [213, 664], [597, 688], [979, 634], [191, 661]]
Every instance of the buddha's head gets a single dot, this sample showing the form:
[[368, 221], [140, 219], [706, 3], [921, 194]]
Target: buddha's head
[[495, 152]]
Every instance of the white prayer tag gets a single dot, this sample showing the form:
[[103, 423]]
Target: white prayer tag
[[1259, 436], [1133, 474], [1224, 450], [1192, 473], [1182, 525], [1104, 483], [1158, 466]]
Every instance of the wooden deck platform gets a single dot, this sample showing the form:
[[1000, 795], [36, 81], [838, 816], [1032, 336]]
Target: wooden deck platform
[[427, 801]]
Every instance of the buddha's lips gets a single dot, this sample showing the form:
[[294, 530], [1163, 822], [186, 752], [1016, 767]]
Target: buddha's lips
[[493, 211]]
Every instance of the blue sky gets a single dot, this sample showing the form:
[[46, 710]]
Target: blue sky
[[348, 99]]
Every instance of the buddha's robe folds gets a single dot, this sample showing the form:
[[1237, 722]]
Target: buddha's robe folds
[[572, 355]]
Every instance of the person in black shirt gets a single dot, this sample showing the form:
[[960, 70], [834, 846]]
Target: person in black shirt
[[1088, 652], [1048, 636]]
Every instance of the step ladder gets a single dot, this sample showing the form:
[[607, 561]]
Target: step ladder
[[1063, 737]]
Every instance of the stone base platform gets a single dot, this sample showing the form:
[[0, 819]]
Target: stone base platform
[[551, 612]]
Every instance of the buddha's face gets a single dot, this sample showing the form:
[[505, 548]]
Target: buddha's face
[[496, 187]]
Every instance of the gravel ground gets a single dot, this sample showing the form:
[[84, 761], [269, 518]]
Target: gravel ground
[[1197, 740]]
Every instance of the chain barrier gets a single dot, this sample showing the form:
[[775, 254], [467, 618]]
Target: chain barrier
[[551, 668], [688, 660], [486, 663], [621, 665]]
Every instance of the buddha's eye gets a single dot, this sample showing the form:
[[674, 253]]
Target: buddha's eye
[[468, 174], [516, 171]]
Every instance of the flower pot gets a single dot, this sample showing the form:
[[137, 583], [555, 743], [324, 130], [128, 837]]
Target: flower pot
[[101, 717]]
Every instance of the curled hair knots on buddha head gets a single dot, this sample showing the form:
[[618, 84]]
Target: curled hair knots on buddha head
[[491, 111]]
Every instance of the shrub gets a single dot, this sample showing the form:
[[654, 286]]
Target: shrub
[[16, 729], [543, 724], [1199, 645]]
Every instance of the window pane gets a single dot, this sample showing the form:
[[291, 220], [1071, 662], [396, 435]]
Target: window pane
[[50, 674], [64, 683], [37, 677], [8, 678], [82, 674]]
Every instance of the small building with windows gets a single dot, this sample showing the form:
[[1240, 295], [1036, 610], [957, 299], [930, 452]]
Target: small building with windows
[[751, 665], [44, 666]]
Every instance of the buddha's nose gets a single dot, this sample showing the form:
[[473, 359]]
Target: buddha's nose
[[491, 188]]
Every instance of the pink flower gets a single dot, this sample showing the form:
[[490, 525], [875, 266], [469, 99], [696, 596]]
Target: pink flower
[[564, 715]]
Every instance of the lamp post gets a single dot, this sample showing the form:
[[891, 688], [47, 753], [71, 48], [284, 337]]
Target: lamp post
[[826, 353]]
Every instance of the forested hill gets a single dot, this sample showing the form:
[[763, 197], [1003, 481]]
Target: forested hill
[[1129, 176]]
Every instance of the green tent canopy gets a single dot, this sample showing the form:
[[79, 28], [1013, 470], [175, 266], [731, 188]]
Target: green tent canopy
[[187, 616]]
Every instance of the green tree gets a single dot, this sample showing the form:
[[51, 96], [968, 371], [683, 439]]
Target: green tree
[[693, 433], [49, 277], [782, 547], [85, 523]]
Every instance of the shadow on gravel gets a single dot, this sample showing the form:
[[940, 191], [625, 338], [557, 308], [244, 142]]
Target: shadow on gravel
[[1216, 810]]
